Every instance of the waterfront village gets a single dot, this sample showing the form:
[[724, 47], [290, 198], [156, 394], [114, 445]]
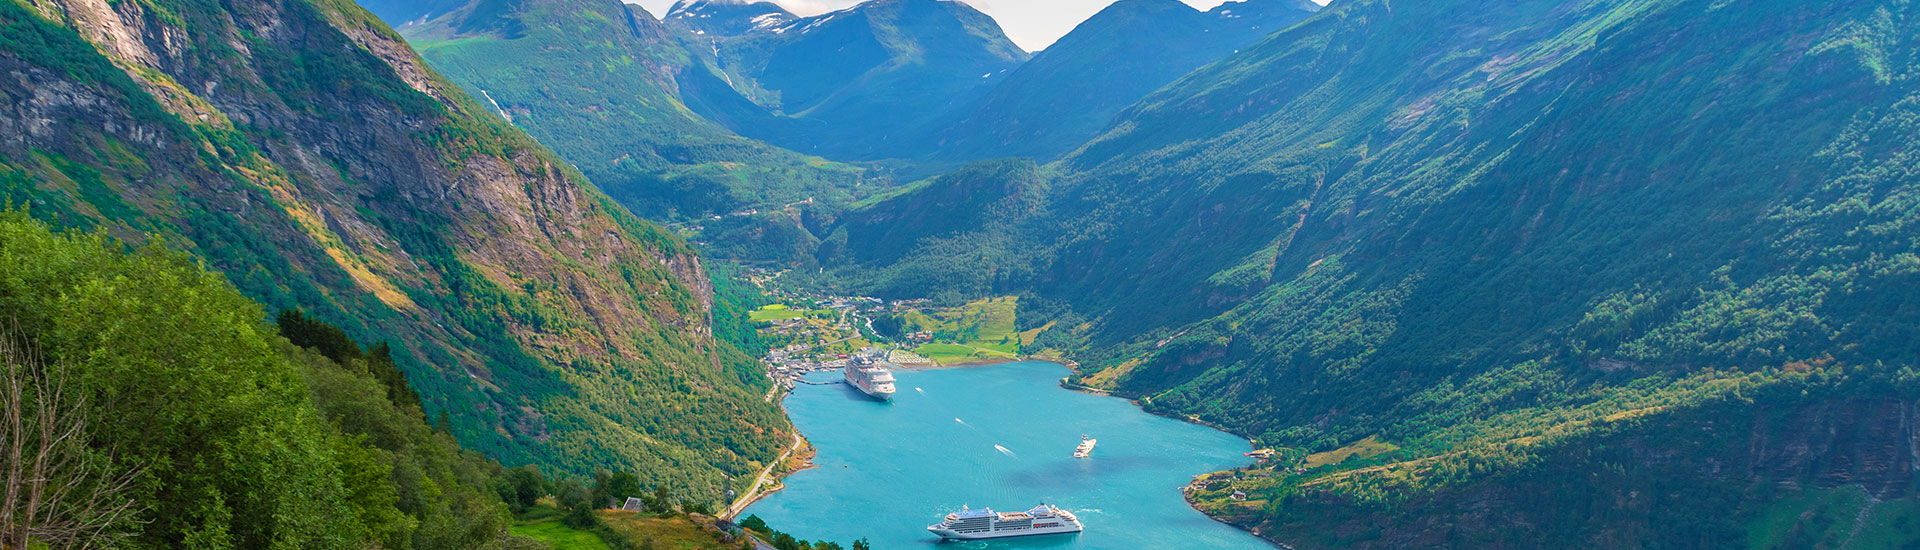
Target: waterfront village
[[812, 333]]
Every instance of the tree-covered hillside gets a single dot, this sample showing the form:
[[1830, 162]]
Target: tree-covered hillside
[[302, 149], [1460, 246], [156, 409], [598, 81], [957, 236]]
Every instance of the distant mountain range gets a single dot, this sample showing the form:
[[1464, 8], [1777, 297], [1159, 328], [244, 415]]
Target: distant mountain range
[[603, 89], [694, 114], [931, 80], [1071, 91], [858, 83]]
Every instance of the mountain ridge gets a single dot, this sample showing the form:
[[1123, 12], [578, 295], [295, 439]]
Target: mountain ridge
[[728, 18], [1451, 243], [856, 84], [1068, 93], [599, 81], [532, 308]]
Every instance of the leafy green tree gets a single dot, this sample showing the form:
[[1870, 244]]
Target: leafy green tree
[[614, 488], [754, 523], [661, 502], [528, 485]]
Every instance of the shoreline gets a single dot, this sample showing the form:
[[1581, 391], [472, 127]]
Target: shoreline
[[1057, 360], [773, 482], [1229, 524], [962, 364], [1187, 497], [1069, 386]]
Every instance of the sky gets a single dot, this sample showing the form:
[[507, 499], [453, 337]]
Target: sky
[[1033, 24]]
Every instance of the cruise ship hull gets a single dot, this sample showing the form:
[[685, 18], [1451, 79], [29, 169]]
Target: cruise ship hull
[[876, 394], [986, 524], [954, 535]]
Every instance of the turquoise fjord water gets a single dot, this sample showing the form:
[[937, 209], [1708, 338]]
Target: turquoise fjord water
[[997, 436]]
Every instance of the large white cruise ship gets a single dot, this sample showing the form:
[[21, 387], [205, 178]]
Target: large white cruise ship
[[869, 377], [985, 524]]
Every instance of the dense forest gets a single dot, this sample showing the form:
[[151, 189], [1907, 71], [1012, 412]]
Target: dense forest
[[183, 419], [146, 403], [302, 150]]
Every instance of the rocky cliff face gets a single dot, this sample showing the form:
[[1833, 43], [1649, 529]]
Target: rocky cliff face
[[303, 149]]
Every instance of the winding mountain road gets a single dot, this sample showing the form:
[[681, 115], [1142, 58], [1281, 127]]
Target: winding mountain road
[[741, 503]]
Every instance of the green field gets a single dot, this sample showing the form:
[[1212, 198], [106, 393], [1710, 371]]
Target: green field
[[543, 523], [778, 312], [979, 331], [674, 533], [948, 354]]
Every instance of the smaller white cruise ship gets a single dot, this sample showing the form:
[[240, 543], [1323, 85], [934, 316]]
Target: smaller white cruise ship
[[869, 377], [1086, 446], [968, 524]]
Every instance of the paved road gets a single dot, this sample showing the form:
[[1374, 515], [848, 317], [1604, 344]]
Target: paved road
[[745, 499], [759, 544]]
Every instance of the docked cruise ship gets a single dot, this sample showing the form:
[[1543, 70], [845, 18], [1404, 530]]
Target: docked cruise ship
[[985, 524], [869, 377]]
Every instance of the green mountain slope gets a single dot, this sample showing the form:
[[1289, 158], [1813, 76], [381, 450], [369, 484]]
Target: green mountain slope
[[1457, 246], [956, 236], [597, 80], [228, 436], [303, 150], [1071, 91]]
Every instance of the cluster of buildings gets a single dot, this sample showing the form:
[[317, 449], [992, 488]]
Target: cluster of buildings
[[788, 364]]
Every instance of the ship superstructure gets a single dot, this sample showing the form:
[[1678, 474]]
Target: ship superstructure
[[1086, 446], [870, 377], [968, 524]]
